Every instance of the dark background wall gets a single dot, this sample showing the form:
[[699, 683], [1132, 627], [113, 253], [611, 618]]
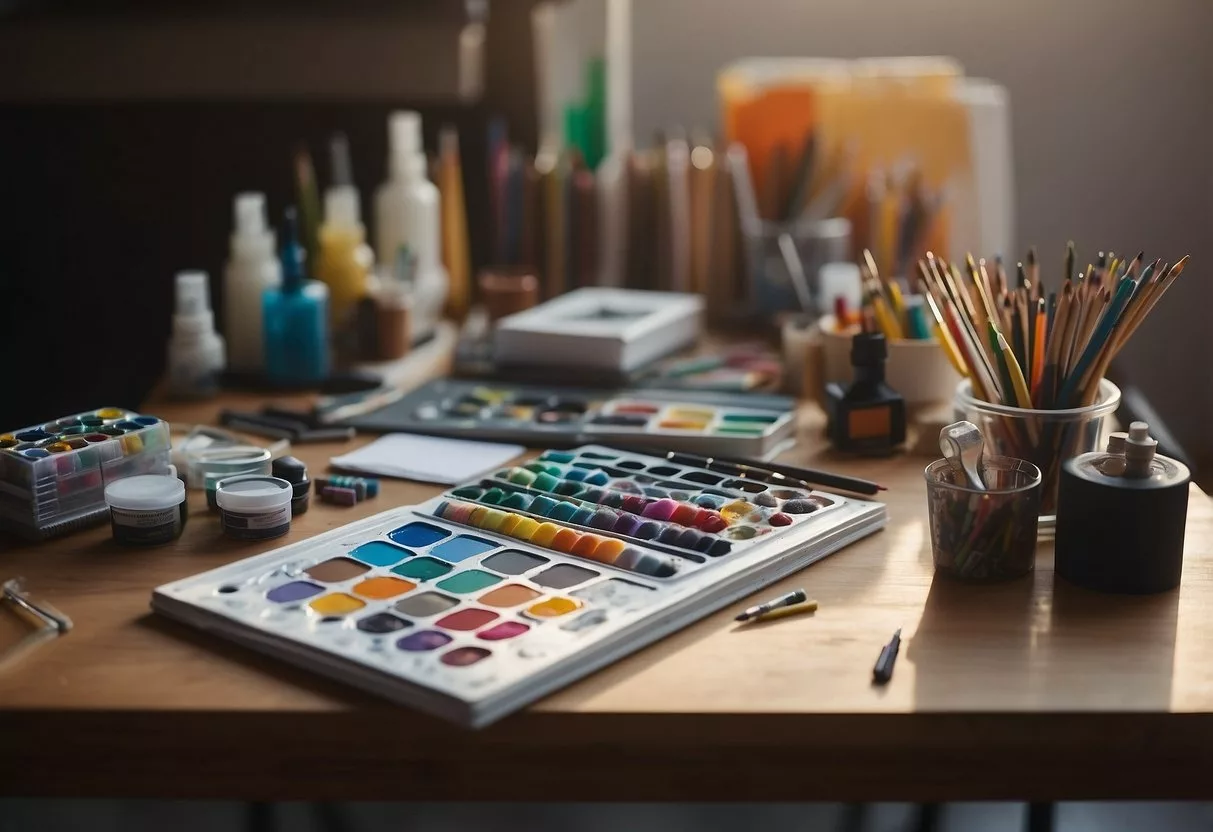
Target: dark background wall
[[127, 127]]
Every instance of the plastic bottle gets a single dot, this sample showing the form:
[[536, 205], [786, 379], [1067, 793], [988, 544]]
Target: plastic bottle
[[408, 213], [345, 259], [296, 318], [196, 352], [252, 268]]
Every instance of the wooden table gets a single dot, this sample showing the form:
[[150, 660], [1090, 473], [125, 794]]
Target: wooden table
[[1031, 689]]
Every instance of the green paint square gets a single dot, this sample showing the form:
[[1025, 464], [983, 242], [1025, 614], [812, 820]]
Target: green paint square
[[470, 580], [423, 569]]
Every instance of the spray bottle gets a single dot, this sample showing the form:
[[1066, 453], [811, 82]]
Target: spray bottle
[[252, 268], [195, 351]]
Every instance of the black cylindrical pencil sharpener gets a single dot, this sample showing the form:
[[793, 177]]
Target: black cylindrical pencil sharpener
[[1121, 516]]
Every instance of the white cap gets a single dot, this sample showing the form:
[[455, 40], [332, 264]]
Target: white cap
[[250, 213], [192, 316], [193, 295], [406, 151], [1139, 450], [404, 131], [341, 207], [250, 493], [145, 492]]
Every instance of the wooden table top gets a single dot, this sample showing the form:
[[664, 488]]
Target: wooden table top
[[1028, 689]]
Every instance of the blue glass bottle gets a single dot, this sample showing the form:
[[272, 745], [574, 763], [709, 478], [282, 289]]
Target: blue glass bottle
[[295, 319]]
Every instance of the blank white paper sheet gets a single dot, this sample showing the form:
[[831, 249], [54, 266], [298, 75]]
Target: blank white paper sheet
[[426, 458]]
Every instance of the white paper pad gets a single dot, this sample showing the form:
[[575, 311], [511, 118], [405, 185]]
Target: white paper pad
[[426, 458]]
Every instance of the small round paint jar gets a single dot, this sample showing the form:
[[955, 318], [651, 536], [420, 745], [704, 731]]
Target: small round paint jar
[[254, 506], [146, 509]]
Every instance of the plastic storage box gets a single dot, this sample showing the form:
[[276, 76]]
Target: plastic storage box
[[53, 475]]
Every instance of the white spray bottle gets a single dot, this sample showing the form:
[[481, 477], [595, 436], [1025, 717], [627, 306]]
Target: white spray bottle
[[252, 268]]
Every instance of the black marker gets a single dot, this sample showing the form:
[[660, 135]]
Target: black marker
[[883, 671]]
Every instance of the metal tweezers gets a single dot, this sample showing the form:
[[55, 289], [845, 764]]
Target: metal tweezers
[[53, 623]]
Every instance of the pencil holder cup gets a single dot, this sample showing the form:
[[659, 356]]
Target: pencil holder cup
[[1046, 438], [779, 255], [917, 369], [984, 535]]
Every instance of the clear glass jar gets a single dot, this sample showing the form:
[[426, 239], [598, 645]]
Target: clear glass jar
[[982, 535], [1046, 438]]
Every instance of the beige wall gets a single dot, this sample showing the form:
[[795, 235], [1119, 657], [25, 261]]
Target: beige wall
[[1112, 119]]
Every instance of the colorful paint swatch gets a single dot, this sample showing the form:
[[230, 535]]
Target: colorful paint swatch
[[464, 656], [381, 623], [466, 619], [425, 604], [418, 535], [462, 547], [513, 562], [294, 591], [379, 553], [423, 569], [470, 580], [502, 631], [510, 595], [336, 570], [553, 607], [336, 604], [564, 575], [423, 640], [379, 588]]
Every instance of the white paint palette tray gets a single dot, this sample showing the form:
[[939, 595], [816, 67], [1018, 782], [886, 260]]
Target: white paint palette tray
[[471, 610]]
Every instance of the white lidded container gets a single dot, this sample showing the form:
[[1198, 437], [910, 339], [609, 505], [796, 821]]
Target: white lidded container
[[254, 506], [146, 509]]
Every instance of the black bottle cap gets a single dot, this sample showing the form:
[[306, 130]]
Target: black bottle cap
[[868, 348], [290, 469]]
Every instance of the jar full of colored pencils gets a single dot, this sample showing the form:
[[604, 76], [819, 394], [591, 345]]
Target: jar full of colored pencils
[[983, 530], [1035, 359]]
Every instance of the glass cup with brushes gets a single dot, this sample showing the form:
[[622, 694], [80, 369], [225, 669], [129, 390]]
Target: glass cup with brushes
[[983, 509]]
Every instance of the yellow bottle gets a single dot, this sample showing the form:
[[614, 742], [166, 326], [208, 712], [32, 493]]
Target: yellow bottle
[[345, 259]]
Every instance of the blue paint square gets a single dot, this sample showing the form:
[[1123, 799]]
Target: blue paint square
[[379, 553], [417, 535]]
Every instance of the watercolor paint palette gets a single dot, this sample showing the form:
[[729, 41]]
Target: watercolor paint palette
[[722, 423], [694, 513], [470, 611], [53, 474]]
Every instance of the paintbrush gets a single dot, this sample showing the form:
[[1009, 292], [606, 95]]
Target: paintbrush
[[771, 473]]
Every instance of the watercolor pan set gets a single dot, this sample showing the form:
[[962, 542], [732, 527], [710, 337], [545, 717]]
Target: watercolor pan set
[[696, 514], [720, 423], [53, 475], [471, 610]]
